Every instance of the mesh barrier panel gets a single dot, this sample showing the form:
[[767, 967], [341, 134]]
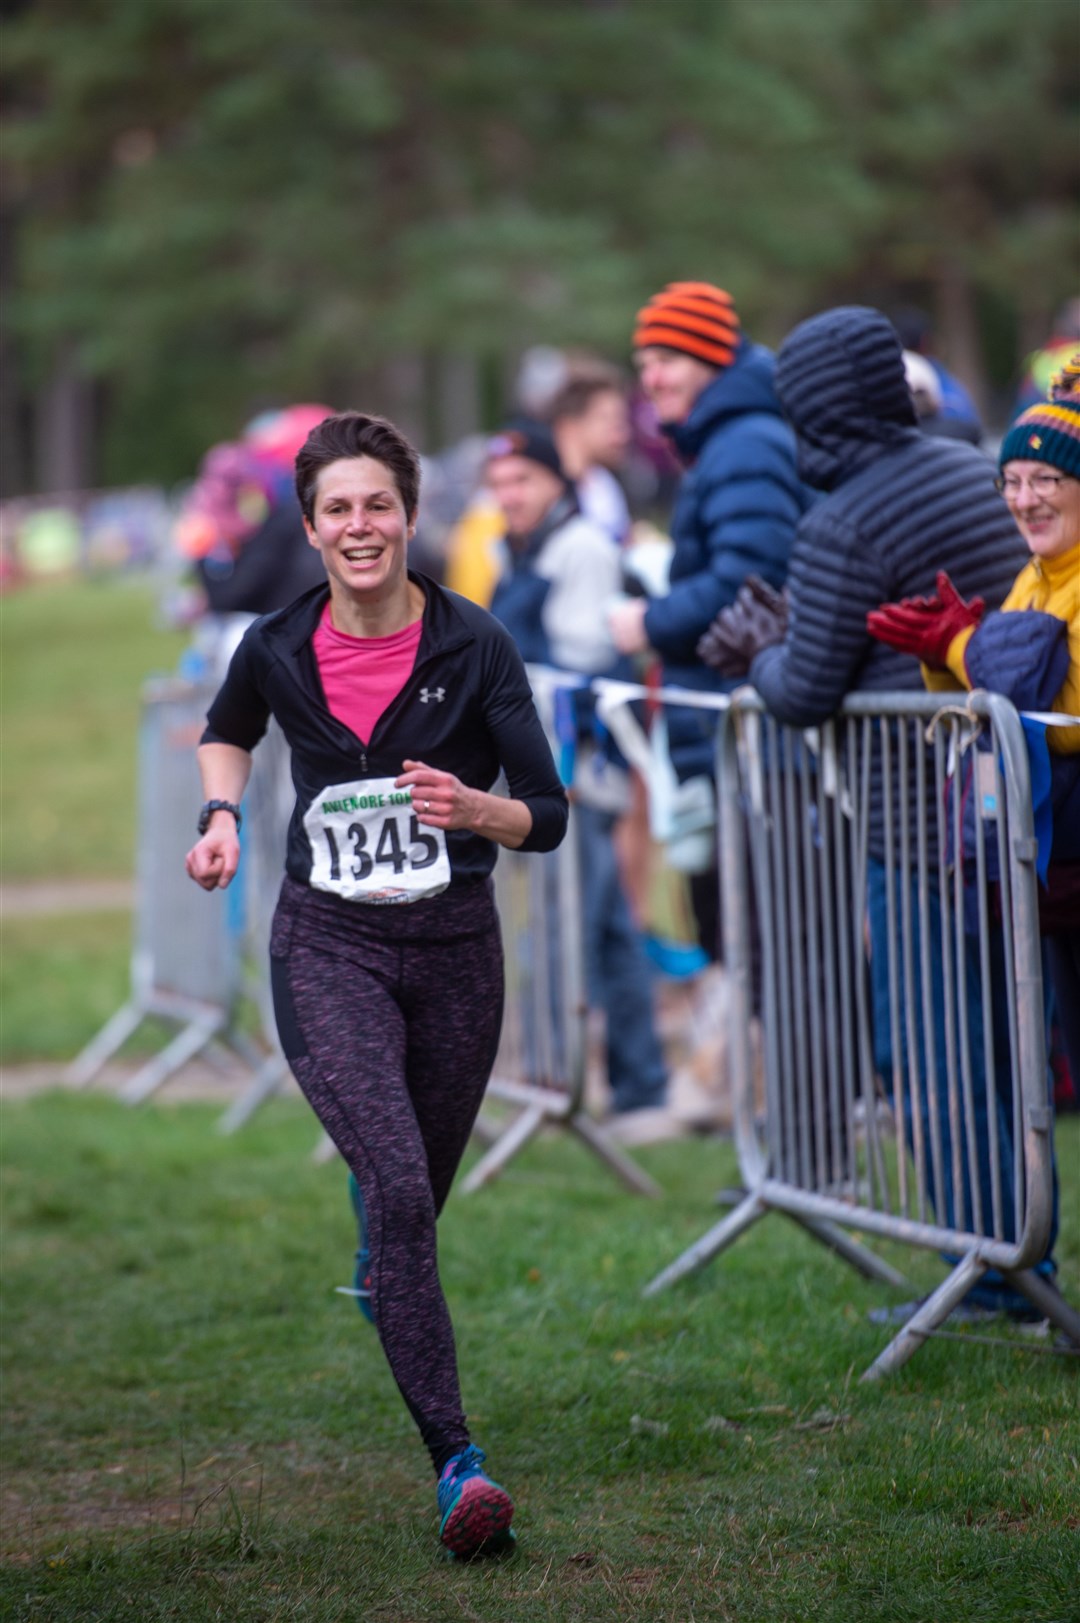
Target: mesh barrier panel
[[184, 938]]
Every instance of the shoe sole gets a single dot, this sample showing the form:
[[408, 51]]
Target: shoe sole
[[483, 1511]]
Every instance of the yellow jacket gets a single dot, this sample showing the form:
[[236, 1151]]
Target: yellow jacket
[[473, 563], [1051, 585]]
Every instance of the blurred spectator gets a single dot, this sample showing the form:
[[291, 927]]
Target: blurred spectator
[[927, 394], [473, 556], [472, 548], [450, 480], [897, 508], [541, 373], [595, 437], [1030, 652], [590, 422], [1041, 367], [559, 569], [735, 512], [914, 329], [240, 525]]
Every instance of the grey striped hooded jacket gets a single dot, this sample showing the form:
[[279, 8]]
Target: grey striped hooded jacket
[[896, 507]]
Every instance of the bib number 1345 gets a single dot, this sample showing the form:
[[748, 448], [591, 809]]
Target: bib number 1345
[[367, 844]]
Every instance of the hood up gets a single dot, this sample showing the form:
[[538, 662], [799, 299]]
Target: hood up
[[840, 378]]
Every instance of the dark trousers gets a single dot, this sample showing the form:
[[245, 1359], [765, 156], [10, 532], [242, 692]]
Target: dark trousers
[[390, 1018]]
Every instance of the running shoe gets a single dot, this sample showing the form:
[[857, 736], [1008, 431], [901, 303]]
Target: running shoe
[[475, 1511], [361, 1285]]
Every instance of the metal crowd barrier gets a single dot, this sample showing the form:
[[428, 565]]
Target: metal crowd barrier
[[540, 1065], [951, 1148], [268, 803], [186, 960]]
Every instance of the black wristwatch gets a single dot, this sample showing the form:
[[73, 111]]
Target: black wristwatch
[[218, 805]]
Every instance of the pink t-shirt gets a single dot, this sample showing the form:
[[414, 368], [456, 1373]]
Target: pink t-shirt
[[361, 676]]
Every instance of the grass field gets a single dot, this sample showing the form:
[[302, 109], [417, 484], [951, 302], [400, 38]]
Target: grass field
[[196, 1427], [60, 980], [73, 657]]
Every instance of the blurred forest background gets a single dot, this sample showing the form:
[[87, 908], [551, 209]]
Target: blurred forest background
[[214, 208]]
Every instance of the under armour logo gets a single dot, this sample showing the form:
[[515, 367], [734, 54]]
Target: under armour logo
[[438, 694]]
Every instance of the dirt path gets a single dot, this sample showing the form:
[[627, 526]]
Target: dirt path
[[32, 900], [198, 1079]]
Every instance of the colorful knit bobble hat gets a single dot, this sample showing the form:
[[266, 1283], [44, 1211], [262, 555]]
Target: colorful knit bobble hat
[[1050, 431], [693, 317]]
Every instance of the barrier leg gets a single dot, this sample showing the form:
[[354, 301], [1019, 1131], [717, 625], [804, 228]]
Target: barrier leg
[[183, 1047], [222, 1056], [267, 1081], [934, 1311], [86, 1065], [860, 1257], [633, 1176], [486, 1129], [710, 1245], [516, 1136], [1049, 1300], [240, 1044]]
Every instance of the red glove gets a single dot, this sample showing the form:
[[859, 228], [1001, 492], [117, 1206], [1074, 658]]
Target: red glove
[[926, 626]]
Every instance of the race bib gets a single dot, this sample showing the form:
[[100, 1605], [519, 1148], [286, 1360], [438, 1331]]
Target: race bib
[[368, 845]]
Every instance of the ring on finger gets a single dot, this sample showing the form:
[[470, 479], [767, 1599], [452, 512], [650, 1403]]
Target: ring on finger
[[427, 805]]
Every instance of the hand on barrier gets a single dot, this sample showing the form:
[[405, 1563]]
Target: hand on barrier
[[926, 626], [213, 861], [757, 619]]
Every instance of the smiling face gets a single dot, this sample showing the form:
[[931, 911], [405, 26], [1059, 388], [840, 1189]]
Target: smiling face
[[1045, 504], [671, 381], [361, 528]]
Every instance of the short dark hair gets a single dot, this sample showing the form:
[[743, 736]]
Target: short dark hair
[[351, 434], [581, 389]]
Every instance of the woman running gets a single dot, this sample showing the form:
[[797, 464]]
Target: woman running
[[400, 702]]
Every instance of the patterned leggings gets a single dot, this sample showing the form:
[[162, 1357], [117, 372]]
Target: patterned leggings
[[389, 1018]]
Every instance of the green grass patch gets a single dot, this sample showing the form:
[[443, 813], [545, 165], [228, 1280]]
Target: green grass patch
[[62, 976], [73, 658], [197, 1427], [60, 980]]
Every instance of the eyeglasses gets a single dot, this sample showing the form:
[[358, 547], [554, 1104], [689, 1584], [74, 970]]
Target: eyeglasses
[[1043, 485]]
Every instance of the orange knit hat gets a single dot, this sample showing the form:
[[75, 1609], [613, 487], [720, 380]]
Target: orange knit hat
[[693, 317]]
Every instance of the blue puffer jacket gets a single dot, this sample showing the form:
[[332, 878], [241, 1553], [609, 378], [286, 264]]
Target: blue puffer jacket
[[735, 515], [1024, 654]]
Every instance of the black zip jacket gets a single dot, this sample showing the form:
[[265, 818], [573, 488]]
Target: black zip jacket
[[467, 708]]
